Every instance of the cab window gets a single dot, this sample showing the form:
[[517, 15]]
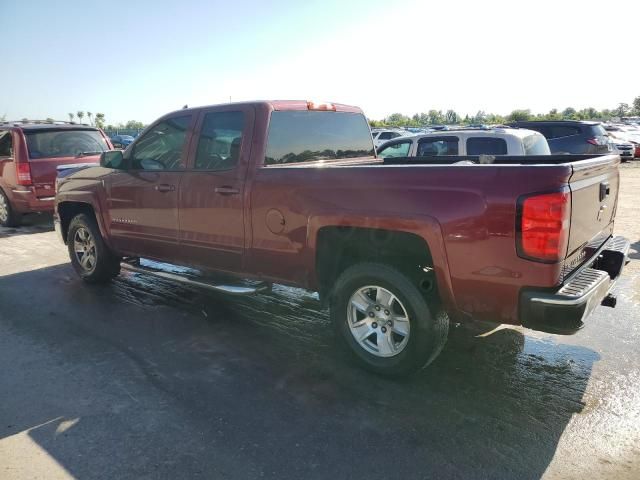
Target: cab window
[[220, 141], [161, 147]]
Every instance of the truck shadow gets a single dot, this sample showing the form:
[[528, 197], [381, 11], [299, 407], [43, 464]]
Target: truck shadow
[[144, 377], [30, 224]]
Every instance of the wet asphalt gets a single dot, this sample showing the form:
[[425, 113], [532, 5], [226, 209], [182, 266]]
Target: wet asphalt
[[144, 378]]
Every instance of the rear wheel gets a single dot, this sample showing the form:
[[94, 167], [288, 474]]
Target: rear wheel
[[91, 258], [8, 217], [386, 321]]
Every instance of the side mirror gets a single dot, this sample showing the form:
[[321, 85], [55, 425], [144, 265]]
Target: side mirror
[[112, 159]]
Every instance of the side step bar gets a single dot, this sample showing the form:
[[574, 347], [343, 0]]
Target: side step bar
[[134, 266]]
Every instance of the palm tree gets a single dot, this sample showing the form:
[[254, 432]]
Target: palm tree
[[89, 115], [80, 115], [70, 117], [100, 120]]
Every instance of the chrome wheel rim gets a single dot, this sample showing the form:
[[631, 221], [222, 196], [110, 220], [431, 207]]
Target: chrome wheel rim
[[378, 321], [85, 249], [4, 209]]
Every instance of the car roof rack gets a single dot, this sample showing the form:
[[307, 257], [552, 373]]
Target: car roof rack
[[27, 121]]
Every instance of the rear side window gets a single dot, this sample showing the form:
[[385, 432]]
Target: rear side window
[[486, 146], [220, 141], [559, 131], [388, 135], [396, 150], [6, 144], [64, 143], [596, 131], [437, 146], [161, 147], [535, 145], [305, 136]]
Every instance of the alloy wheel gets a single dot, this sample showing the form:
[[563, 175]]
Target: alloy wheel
[[4, 209], [85, 249], [378, 321]]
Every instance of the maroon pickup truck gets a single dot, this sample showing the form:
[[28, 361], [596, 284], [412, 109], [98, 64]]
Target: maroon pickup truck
[[292, 192]]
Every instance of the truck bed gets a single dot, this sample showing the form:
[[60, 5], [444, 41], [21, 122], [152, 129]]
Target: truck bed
[[493, 159]]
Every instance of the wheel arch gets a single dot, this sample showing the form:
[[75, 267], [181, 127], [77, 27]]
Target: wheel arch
[[68, 209], [404, 243]]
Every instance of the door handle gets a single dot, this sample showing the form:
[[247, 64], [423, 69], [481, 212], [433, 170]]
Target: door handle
[[226, 190], [163, 187]]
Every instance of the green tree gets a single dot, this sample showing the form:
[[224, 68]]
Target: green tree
[[134, 124], [636, 106], [100, 120], [622, 109], [70, 117], [89, 116], [569, 113], [80, 115], [520, 115], [494, 119], [480, 117], [451, 117], [435, 117]]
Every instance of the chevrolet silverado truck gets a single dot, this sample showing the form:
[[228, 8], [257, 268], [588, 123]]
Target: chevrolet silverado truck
[[244, 195]]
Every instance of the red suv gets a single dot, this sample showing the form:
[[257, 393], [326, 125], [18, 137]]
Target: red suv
[[30, 153]]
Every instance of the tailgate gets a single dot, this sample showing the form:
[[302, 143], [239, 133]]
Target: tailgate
[[43, 171], [594, 197]]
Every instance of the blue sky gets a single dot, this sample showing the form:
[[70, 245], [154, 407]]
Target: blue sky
[[138, 60]]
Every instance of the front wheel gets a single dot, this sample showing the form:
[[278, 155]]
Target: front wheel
[[386, 321], [91, 258]]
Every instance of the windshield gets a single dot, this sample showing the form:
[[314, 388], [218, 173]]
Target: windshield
[[64, 143]]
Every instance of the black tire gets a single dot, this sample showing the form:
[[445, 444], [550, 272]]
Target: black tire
[[106, 265], [428, 322], [8, 216]]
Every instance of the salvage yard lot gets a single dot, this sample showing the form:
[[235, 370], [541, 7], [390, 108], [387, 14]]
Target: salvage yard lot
[[145, 378]]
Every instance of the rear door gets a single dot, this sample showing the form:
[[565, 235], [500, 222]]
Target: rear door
[[143, 200], [50, 147], [212, 192], [594, 195]]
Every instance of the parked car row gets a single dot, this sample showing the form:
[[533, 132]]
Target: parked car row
[[492, 141], [560, 137]]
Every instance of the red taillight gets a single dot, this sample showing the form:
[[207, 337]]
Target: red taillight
[[23, 170], [544, 226]]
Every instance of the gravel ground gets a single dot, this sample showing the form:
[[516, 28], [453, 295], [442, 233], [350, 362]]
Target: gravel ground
[[147, 379]]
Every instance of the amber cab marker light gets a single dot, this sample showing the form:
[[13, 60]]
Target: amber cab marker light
[[321, 106]]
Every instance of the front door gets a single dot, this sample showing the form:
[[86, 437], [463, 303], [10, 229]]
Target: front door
[[143, 200], [212, 192]]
